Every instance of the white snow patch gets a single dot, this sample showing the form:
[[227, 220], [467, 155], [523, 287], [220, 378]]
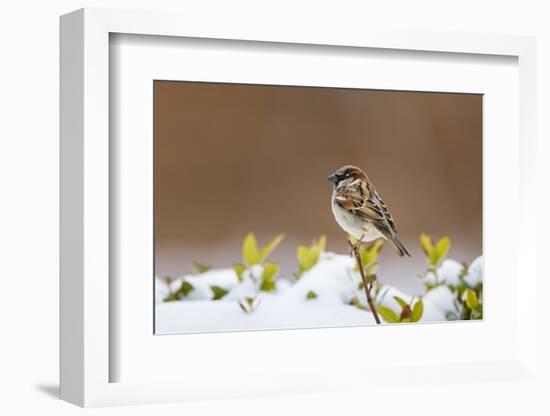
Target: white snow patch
[[333, 280], [475, 272], [442, 298], [271, 313], [329, 279], [448, 272]]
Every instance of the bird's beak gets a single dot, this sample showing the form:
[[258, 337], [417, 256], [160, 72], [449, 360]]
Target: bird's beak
[[333, 178]]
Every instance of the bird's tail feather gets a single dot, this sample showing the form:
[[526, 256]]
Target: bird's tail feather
[[399, 247]]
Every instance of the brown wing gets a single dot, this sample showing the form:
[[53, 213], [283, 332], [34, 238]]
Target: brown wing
[[357, 198], [388, 219], [361, 198]]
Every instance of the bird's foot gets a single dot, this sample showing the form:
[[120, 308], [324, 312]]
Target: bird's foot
[[354, 247]]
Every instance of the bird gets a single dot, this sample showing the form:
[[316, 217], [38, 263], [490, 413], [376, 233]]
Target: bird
[[359, 210]]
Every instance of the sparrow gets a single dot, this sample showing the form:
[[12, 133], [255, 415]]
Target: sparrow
[[359, 210]]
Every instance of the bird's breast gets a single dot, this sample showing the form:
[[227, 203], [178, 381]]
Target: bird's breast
[[354, 224]]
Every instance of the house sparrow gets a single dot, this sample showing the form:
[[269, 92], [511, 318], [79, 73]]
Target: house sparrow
[[360, 211]]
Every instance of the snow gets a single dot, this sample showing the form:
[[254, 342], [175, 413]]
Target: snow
[[333, 280], [448, 272], [271, 313], [441, 298], [224, 278], [475, 273]]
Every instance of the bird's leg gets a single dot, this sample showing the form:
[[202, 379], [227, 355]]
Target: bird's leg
[[354, 248]]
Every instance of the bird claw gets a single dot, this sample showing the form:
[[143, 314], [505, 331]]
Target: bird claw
[[354, 248]]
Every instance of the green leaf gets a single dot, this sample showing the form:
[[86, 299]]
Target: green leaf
[[401, 302], [442, 247], [251, 256], [185, 288], [322, 244], [268, 276], [270, 271], [171, 297], [370, 269], [363, 255], [268, 286], [311, 295], [239, 270], [387, 314], [219, 292], [182, 291], [199, 268], [426, 243], [370, 254], [375, 248], [314, 253], [433, 258], [418, 310], [269, 247], [471, 298], [303, 255], [307, 258]]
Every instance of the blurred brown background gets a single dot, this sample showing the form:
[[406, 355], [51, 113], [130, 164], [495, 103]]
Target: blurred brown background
[[233, 158]]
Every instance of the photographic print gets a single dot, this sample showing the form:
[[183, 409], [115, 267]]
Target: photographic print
[[281, 207]]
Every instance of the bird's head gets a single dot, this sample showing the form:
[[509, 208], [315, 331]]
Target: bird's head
[[347, 173]]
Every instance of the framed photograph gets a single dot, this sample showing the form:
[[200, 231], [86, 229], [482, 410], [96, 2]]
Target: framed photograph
[[245, 213], [237, 157]]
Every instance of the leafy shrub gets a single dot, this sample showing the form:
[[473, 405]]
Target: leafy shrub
[[454, 289], [309, 256], [269, 273], [409, 312], [254, 255], [434, 253], [183, 291], [464, 283]]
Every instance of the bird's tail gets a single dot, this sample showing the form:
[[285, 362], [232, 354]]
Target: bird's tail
[[399, 247]]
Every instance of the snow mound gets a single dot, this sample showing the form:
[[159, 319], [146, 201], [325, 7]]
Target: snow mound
[[449, 273], [475, 273], [271, 313], [321, 297], [441, 298], [330, 280]]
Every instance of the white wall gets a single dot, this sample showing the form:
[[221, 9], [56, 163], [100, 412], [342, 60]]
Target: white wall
[[29, 184]]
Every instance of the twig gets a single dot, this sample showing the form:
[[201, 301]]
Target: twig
[[367, 287]]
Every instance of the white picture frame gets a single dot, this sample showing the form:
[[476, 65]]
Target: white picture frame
[[87, 302]]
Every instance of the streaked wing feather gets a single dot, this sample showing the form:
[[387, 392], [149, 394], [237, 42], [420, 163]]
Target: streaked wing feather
[[357, 198], [361, 198]]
